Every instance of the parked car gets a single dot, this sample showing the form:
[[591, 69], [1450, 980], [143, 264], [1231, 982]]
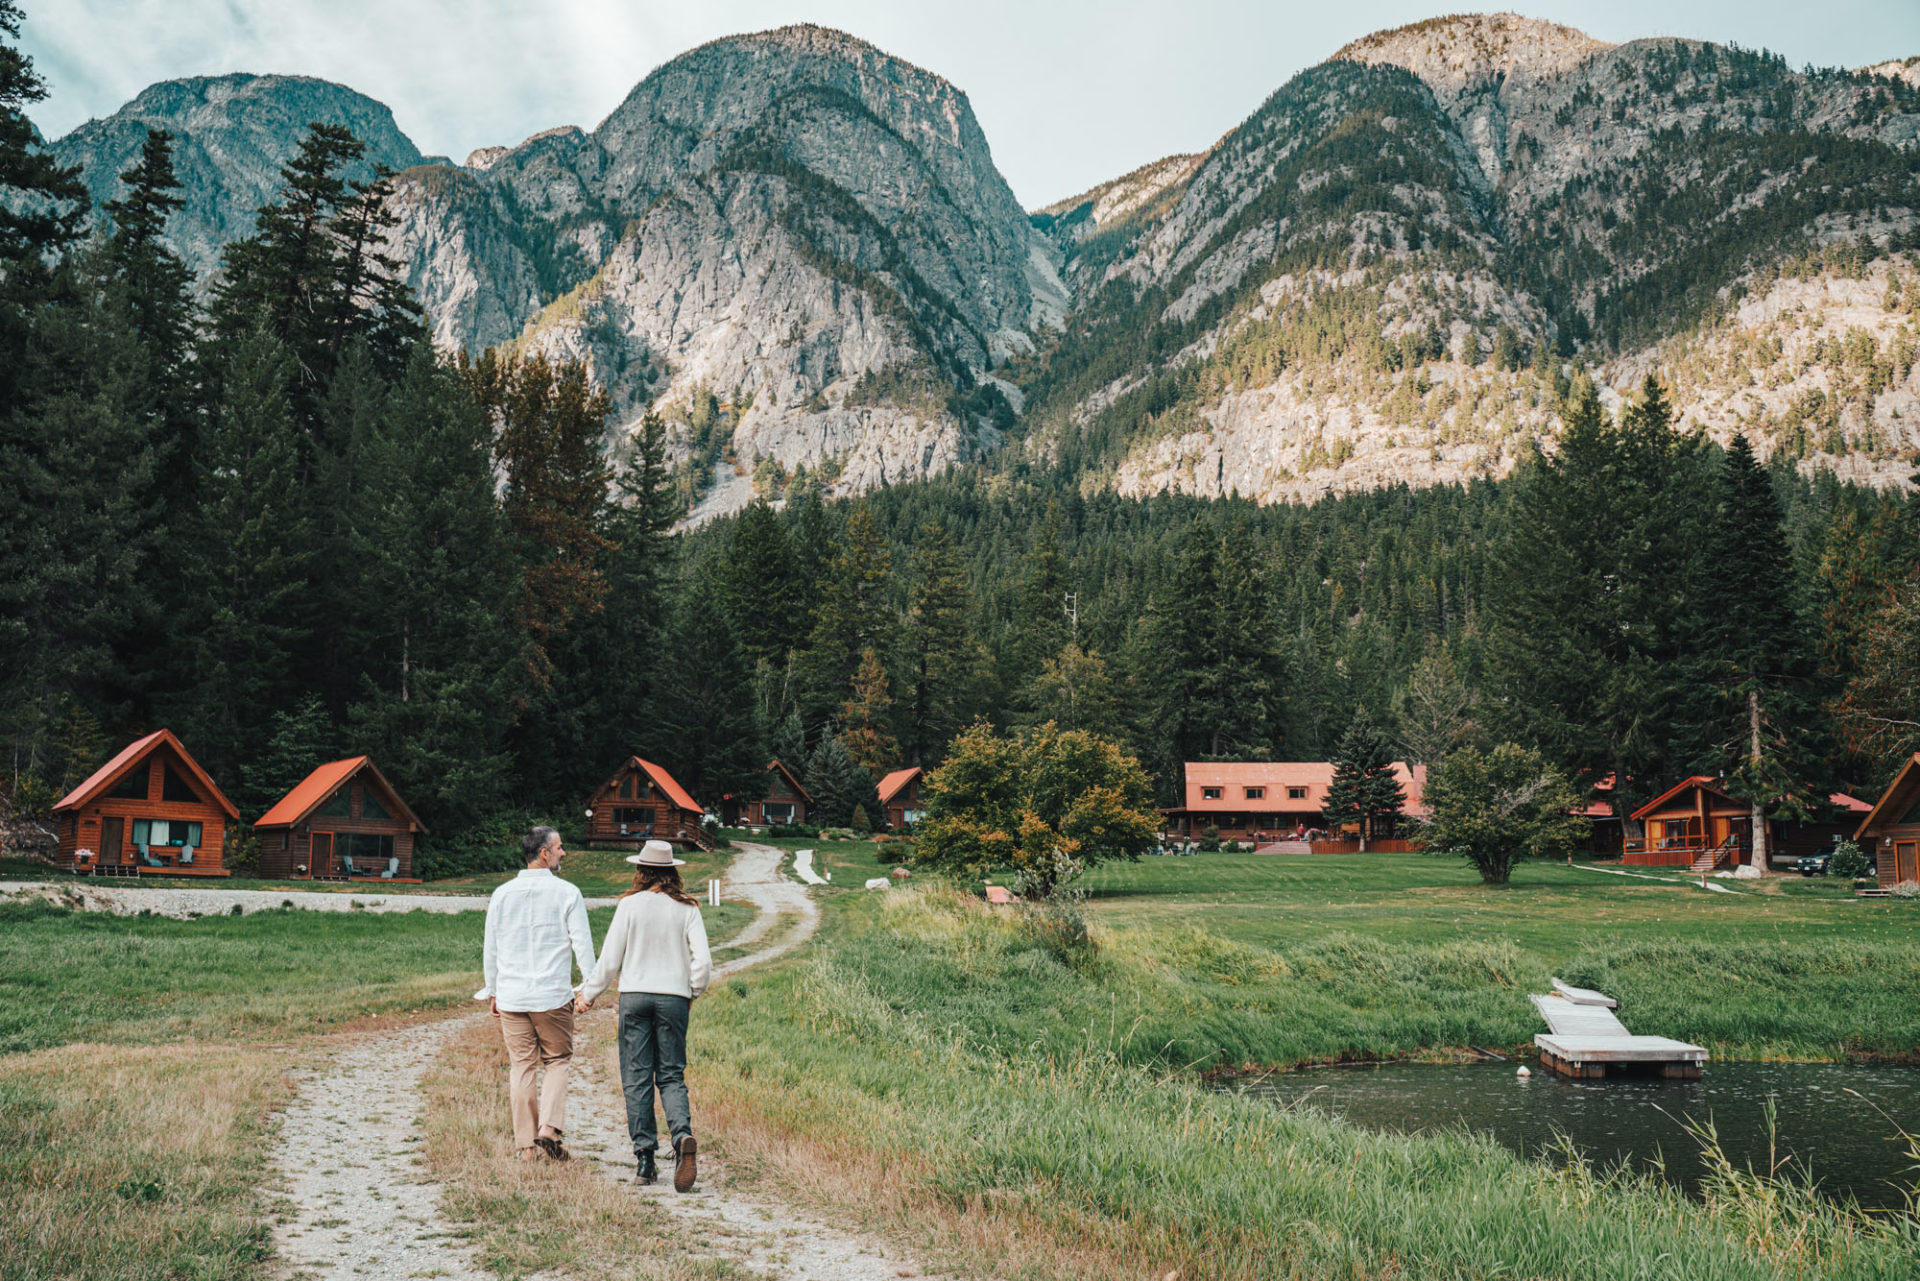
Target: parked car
[[1813, 864]]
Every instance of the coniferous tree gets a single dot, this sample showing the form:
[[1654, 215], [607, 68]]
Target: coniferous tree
[[1583, 631], [710, 728], [1752, 661], [866, 718], [1438, 709], [789, 744], [853, 615], [761, 587], [838, 782], [437, 583], [302, 737], [1040, 624], [1074, 690], [252, 549], [941, 655], [1365, 791], [155, 290]]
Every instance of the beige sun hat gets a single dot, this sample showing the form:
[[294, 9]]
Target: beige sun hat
[[656, 854]]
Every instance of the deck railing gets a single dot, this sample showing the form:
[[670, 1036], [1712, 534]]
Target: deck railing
[[1679, 851]]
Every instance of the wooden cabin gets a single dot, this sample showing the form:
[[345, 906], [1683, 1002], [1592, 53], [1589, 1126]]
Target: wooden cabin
[[642, 802], [782, 802], [900, 797], [1890, 833], [343, 822], [1696, 824], [149, 809], [1263, 801]]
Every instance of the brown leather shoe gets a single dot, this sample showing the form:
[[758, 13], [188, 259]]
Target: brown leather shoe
[[685, 1167], [552, 1148]]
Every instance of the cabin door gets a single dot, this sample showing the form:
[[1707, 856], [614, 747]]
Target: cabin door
[[320, 855], [1906, 861], [111, 828]]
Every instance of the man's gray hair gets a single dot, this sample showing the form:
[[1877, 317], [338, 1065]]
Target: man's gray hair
[[535, 841]]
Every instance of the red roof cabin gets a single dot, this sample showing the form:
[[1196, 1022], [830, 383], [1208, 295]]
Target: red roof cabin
[[782, 802], [642, 802], [1260, 801], [1696, 824], [1890, 833], [343, 822], [900, 797], [149, 809]]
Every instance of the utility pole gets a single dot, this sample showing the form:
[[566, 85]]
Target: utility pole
[[1071, 601]]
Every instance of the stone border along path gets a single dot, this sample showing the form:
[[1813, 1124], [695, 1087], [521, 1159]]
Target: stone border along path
[[360, 1210]]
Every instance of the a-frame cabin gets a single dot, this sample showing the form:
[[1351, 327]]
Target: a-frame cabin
[[343, 822], [1890, 834], [642, 802], [149, 809]]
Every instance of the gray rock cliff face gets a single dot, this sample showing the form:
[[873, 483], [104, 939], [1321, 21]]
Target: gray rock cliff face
[[231, 135], [1317, 303]]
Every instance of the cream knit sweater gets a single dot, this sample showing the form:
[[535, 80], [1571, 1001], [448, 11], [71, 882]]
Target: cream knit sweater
[[653, 945]]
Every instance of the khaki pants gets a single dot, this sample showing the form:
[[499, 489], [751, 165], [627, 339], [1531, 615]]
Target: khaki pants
[[537, 1040]]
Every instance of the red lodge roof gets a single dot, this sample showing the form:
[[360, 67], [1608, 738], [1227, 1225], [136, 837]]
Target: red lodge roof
[[1234, 777], [665, 782], [322, 783], [138, 750], [891, 785]]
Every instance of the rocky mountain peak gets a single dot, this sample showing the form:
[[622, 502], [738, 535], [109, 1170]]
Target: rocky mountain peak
[[1903, 69], [1457, 54]]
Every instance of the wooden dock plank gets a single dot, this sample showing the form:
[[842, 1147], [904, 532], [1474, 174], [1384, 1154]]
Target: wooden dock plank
[[1620, 1049], [1567, 1019], [1584, 995]]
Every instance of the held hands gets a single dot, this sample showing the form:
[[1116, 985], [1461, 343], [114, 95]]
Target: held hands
[[581, 1004]]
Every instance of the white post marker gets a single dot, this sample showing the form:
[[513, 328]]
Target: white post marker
[[713, 892]]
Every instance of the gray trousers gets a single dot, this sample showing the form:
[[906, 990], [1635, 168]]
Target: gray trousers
[[653, 1055]]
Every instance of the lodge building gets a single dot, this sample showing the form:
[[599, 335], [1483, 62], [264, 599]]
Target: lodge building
[[344, 821], [1697, 824], [782, 802], [149, 809], [642, 802], [1890, 833], [1262, 801]]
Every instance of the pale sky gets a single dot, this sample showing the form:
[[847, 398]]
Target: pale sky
[[1069, 93]]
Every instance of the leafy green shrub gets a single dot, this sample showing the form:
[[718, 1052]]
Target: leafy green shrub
[[1849, 862], [1058, 926], [862, 825], [1210, 839]]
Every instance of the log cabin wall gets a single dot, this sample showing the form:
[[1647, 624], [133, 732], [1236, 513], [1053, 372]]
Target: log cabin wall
[[83, 826], [284, 850]]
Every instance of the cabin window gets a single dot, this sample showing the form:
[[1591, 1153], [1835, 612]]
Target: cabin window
[[1227, 820], [1256, 793], [1296, 793], [777, 813], [626, 788], [370, 806], [1913, 815], [633, 820], [363, 847], [174, 789], [133, 787], [283, 839], [1210, 793], [162, 831], [335, 806], [642, 789]]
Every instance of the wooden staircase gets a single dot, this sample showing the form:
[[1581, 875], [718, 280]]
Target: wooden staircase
[[1712, 858]]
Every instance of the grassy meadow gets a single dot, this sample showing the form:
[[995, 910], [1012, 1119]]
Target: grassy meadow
[[1018, 1091]]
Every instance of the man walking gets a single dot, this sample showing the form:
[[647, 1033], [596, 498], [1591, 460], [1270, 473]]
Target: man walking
[[532, 922]]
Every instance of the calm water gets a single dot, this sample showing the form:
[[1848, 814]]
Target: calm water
[[1848, 1146]]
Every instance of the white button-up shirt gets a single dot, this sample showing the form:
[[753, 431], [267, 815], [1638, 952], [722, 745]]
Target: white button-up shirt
[[532, 922]]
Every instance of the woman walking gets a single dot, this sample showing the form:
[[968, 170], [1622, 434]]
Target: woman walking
[[657, 949]]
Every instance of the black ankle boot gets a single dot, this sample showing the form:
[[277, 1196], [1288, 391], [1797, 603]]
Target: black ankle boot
[[646, 1172]]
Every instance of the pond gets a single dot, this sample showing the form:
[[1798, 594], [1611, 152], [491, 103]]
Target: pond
[[1848, 1146]]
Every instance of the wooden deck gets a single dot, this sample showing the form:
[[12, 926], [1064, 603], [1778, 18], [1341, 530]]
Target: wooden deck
[[1585, 1038]]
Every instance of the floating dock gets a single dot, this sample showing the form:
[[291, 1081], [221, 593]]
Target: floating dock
[[1585, 1038]]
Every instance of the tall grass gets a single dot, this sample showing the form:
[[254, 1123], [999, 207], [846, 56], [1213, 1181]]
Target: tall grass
[[1077, 1128], [134, 1163]]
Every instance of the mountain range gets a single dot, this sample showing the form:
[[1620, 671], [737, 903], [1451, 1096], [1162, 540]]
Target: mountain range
[[797, 249]]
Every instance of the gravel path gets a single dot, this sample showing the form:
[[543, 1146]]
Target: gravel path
[[360, 1210], [345, 1154], [131, 900]]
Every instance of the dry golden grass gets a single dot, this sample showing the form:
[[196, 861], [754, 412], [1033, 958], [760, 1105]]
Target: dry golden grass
[[136, 1162], [528, 1217]]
